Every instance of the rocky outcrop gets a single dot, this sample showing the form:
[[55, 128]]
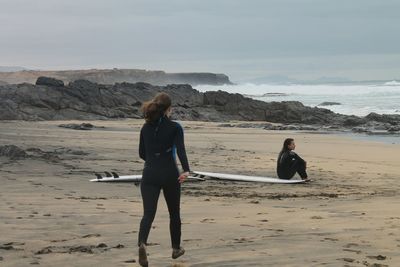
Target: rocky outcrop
[[112, 76], [329, 104], [390, 119], [49, 82], [85, 100], [83, 126], [12, 152], [243, 108]]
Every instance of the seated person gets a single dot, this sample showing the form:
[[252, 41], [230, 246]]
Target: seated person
[[289, 162]]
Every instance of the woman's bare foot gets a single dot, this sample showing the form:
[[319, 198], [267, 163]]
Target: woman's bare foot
[[143, 256], [177, 252]]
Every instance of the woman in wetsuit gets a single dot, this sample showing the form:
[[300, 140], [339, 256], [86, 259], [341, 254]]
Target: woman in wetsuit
[[289, 162], [160, 139]]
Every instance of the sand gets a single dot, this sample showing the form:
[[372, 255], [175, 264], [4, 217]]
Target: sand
[[51, 215]]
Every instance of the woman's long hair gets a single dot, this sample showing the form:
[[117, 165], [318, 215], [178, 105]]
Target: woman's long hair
[[285, 148], [154, 109]]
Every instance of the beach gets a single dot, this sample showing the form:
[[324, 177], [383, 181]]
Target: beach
[[51, 215]]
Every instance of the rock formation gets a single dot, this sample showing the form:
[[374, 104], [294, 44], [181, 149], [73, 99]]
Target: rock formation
[[86, 100], [112, 76]]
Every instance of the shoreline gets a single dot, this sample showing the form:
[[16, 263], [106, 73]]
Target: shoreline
[[393, 139]]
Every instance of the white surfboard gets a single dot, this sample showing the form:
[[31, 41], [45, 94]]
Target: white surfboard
[[132, 178], [245, 178], [124, 178]]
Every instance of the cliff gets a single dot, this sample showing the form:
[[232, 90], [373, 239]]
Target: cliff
[[112, 76]]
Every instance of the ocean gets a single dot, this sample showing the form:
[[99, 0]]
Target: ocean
[[353, 99]]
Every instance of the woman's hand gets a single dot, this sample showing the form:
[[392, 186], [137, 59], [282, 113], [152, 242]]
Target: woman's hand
[[183, 177]]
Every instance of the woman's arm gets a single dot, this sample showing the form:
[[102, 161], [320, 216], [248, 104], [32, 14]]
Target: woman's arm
[[180, 149], [296, 156]]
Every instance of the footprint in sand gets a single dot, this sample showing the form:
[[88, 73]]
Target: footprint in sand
[[191, 240], [316, 217], [11, 246], [331, 239], [131, 232], [352, 250], [349, 245], [366, 263], [247, 225], [153, 244], [91, 235], [347, 259], [379, 257], [243, 240], [207, 220]]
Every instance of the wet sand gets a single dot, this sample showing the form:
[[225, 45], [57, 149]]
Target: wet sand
[[51, 215]]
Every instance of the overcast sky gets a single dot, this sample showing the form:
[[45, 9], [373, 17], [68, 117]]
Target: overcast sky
[[306, 39]]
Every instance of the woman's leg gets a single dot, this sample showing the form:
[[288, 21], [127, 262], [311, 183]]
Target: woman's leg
[[172, 194], [297, 166], [301, 169], [150, 194]]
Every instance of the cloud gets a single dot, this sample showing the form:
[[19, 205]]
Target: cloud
[[55, 33]]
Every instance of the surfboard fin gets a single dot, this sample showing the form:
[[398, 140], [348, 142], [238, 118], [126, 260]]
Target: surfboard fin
[[98, 176], [115, 174], [108, 174]]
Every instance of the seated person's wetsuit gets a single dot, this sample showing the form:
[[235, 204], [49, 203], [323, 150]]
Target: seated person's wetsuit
[[289, 163]]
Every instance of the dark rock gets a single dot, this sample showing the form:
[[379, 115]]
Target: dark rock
[[49, 82], [86, 100], [37, 153], [353, 121], [329, 104], [82, 126], [360, 130], [394, 129], [64, 150], [391, 119], [12, 152], [226, 125]]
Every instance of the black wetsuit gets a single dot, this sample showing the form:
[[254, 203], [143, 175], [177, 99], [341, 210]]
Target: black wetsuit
[[158, 143], [289, 163]]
